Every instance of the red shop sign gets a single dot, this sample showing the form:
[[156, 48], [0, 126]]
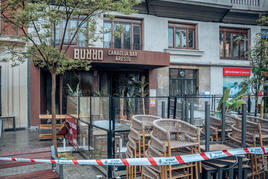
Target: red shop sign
[[236, 71]]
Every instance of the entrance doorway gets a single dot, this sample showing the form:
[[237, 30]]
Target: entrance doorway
[[182, 82]]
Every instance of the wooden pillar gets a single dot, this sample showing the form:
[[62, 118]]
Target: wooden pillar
[[34, 95], [152, 91]]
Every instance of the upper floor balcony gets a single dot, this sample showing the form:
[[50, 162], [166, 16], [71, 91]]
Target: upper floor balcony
[[226, 11]]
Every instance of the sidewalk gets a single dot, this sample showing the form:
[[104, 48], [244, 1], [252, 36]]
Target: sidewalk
[[27, 139]]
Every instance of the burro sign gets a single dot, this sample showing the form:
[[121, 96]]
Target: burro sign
[[105, 55], [122, 56], [88, 54]]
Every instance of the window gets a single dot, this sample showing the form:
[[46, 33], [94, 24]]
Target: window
[[122, 34], [233, 43], [182, 36], [182, 82], [80, 38]]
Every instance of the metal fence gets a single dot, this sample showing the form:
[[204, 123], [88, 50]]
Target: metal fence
[[103, 122]]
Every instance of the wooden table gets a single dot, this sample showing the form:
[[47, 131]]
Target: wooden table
[[7, 118]]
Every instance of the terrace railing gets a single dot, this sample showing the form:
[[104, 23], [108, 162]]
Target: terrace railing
[[246, 2]]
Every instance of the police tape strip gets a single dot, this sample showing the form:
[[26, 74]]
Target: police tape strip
[[176, 160]]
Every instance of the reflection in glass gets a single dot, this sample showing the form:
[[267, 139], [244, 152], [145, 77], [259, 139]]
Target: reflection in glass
[[221, 44], [235, 45], [243, 46], [183, 38], [228, 45], [178, 39], [136, 38], [82, 37], [191, 38], [170, 37], [107, 35], [117, 36], [126, 36]]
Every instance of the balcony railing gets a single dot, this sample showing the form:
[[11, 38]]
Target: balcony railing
[[246, 2]]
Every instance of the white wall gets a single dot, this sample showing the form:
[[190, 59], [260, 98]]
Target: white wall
[[14, 93]]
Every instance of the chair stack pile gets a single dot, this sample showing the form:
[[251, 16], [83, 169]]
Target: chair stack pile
[[254, 138], [171, 138], [139, 135]]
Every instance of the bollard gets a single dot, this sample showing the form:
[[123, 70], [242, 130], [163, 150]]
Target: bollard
[[191, 113], [207, 124], [168, 108], [163, 109], [223, 124], [175, 108], [186, 111], [244, 125], [182, 109]]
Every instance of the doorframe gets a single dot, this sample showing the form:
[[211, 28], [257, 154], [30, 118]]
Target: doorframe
[[0, 92]]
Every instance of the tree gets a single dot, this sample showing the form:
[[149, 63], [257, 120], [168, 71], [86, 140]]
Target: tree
[[259, 64], [37, 21]]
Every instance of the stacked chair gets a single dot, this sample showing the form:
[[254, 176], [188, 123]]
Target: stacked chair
[[139, 135], [172, 137], [253, 139]]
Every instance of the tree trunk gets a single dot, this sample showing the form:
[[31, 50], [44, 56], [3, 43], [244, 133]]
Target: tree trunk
[[143, 101], [53, 109]]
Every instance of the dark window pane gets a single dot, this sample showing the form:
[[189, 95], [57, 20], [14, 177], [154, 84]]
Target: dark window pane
[[170, 37], [191, 38], [228, 45], [107, 35], [126, 36], [178, 39], [136, 38], [235, 46], [117, 36], [221, 44]]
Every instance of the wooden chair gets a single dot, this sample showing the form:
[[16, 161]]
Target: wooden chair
[[253, 139], [139, 135], [175, 137]]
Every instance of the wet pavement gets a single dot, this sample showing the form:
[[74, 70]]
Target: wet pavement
[[29, 139]]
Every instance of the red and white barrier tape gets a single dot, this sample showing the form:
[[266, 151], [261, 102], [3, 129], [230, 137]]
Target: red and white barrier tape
[[153, 160]]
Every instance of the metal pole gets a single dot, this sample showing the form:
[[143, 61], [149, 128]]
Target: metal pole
[[207, 124], [163, 109], [223, 122], [186, 111], [244, 125], [175, 108], [191, 113], [182, 108], [168, 112], [90, 132], [109, 138]]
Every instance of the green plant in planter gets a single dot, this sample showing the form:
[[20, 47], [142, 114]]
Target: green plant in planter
[[234, 103]]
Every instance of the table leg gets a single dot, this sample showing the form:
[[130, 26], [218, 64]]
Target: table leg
[[14, 124], [220, 173], [1, 127], [240, 167]]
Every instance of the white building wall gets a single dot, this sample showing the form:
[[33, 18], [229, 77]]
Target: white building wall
[[14, 94]]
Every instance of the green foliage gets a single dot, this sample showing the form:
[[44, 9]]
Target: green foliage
[[235, 102], [224, 99], [41, 16]]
